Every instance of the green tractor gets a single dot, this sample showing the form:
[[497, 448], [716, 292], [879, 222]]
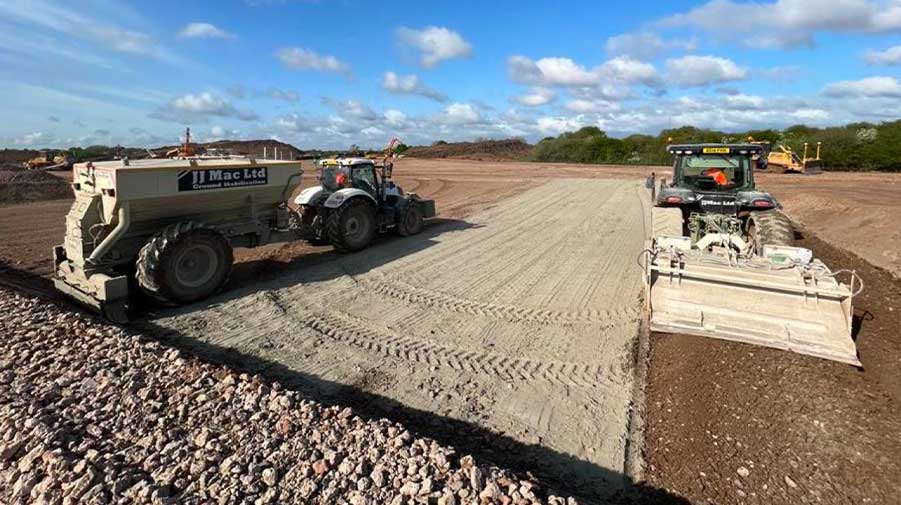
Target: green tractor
[[354, 202], [721, 262]]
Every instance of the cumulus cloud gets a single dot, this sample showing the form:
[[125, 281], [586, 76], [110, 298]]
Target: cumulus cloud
[[556, 125], [200, 107], [410, 85], [53, 119], [536, 97], [870, 87], [434, 44], [32, 139], [293, 123], [703, 70], [460, 114], [645, 45], [558, 71], [280, 94], [199, 30], [353, 109], [790, 23], [891, 56], [298, 58], [598, 105]]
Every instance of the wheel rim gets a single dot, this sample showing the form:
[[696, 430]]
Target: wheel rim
[[196, 265], [352, 227]]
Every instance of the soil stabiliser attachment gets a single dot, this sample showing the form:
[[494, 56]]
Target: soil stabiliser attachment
[[721, 262]]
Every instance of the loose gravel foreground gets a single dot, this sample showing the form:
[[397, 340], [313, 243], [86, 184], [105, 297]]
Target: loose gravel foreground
[[90, 413]]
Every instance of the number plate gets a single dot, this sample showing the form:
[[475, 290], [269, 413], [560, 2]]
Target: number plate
[[716, 150]]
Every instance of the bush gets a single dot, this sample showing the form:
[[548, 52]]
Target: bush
[[853, 147]]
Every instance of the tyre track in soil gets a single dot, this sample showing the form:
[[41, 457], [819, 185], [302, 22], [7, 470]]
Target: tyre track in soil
[[521, 323]]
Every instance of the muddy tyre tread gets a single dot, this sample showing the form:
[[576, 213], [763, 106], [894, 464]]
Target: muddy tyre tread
[[773, 228], [150, 275], [333, 228]]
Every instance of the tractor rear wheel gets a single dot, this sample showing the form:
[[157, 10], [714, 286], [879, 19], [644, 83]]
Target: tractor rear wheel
[[352, 226], [770, 227], [184, 263], [410, 220]]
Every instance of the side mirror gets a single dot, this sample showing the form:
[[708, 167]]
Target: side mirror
[[387, 169], [649, 182]]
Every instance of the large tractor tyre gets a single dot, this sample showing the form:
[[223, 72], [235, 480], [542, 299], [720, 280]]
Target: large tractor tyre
[[666, 221], [770, 227], [351, 227], [184, 263], [410, 220]]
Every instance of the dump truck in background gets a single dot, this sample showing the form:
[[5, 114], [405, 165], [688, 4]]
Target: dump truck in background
[[722, 264], [166, 227]]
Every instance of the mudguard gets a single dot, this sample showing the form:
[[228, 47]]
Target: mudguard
[[309, 195], [338, 198]]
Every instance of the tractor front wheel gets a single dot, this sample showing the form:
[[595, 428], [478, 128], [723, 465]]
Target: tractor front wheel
[[184, 263], [351, 227], [410, 220]]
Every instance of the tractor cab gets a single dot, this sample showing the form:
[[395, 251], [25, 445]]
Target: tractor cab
[[714, 167], [358, 173]]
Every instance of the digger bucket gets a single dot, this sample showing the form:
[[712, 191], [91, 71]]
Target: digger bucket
[[803, 310]]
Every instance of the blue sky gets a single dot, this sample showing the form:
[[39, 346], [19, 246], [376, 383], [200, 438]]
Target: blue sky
[[332, 73]]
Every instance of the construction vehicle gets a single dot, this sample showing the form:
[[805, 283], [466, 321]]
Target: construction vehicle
[[186, 150], [721, 262], [353, 202], [783, 159], [48, 161], [166, 227]]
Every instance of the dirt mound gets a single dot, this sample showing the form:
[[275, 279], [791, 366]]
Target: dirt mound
[[18, 186], [488, 150], [15, 157], [247, 147]]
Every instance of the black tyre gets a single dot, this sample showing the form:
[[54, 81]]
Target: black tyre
[[410, 220], [352, 226], [184, 263], [771, 227]]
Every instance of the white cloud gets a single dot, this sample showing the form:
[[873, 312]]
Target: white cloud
[[558, 71], [32, 139], [744, 102], [280, 94], [217, 131], [299, 58], [200, 107], [199, 30], [891, 56], [353, 109], [293, 123], [395, 118], [460, 114], [703, 70], [788, 23], [410, 85], [870, 87], [556, 125], [434, 43], [582, 105], [536, 97], [645, 45]]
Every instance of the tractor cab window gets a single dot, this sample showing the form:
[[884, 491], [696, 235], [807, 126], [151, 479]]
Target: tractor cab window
[[711, 172], [334, 177], [364, 177]]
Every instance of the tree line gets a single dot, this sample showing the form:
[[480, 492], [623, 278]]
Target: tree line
[[853, 147]]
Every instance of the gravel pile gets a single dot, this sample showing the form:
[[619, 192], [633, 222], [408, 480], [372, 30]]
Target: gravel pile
[[91, 413]]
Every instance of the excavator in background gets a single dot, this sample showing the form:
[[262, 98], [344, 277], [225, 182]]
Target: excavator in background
[[187, 150], [784, 160]]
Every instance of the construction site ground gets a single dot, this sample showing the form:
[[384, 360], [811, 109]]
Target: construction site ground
[[509, 328]]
